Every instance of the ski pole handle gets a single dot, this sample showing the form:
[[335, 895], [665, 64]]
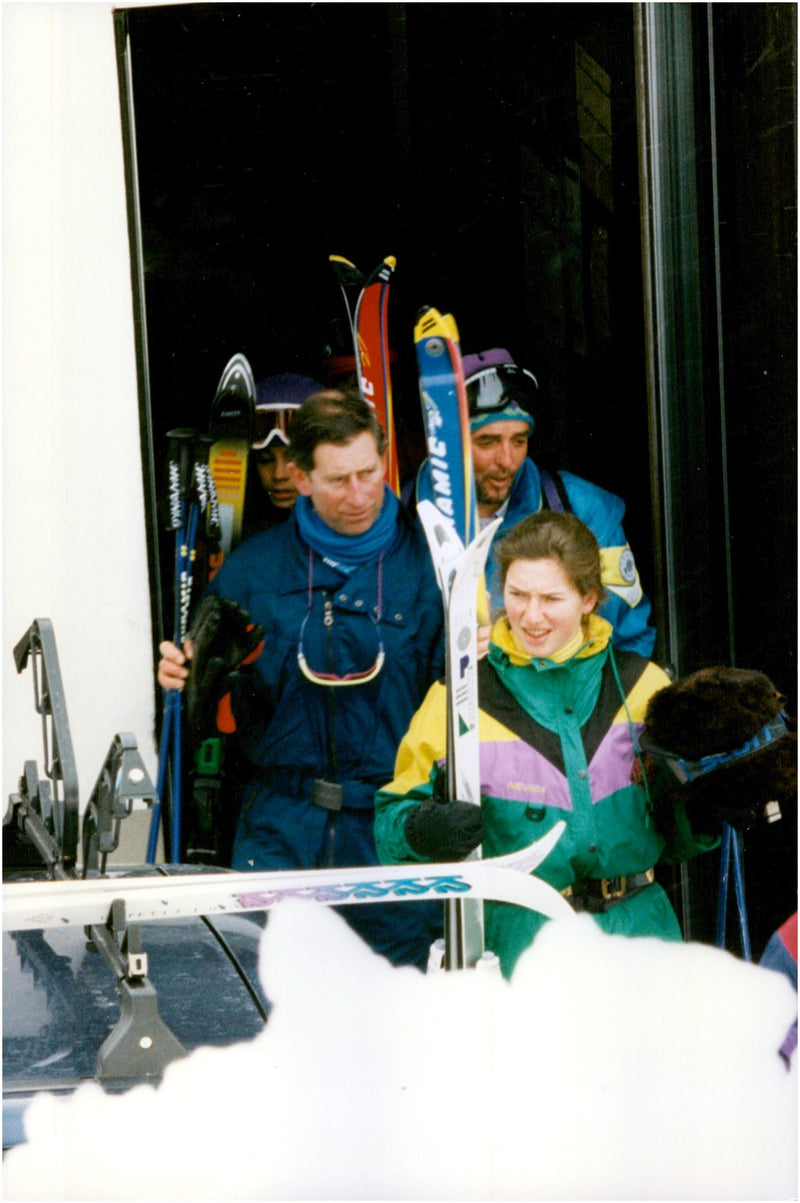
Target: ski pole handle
[[179, 472], [206, 489]]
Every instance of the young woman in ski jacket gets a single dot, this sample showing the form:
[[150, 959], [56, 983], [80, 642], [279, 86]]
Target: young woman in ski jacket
[[353, 632], [559, 717]]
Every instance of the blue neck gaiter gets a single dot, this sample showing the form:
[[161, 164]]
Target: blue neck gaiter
[[348, 549]]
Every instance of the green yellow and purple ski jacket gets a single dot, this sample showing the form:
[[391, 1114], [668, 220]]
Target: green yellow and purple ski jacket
[[556, 742]]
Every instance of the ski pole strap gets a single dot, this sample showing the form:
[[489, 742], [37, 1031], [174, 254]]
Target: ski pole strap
[[731, 853], [690, 770], [554, 494]]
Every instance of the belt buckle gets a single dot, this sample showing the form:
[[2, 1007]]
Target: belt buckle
[[328, 795], [610, 891]]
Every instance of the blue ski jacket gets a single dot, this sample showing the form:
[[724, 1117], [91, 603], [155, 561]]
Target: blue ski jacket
[[349, 734], [626, 607], [317, 754]]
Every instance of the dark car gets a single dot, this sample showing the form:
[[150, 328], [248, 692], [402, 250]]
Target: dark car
[[61, 1003], [113, 1003]]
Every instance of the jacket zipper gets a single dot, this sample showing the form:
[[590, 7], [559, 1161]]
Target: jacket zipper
[[332, 757]]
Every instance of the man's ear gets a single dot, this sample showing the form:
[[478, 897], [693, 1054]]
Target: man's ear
[[299, 478]]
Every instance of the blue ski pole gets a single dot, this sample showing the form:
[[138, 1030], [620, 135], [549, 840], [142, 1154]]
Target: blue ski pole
[[187, 576], [179, 482], [730, 851]]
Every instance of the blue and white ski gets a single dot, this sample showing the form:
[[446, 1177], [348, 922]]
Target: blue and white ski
[[459, 555]]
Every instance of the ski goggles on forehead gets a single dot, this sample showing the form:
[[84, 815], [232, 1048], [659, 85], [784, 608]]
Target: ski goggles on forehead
[[272, 425], [498, 387]]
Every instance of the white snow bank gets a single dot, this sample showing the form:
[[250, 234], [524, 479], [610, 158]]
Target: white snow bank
[[608, 1069]]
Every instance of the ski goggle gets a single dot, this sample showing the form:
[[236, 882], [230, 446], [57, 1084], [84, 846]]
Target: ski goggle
[[272, 425], [689, 770], [498, 387]]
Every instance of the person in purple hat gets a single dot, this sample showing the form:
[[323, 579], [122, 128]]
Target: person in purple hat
[[508, 483], [271, 493]]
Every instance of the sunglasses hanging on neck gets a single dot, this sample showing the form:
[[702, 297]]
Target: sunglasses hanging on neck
[[332, 680]]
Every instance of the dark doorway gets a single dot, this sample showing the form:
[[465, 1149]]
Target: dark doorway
[[490, 148]]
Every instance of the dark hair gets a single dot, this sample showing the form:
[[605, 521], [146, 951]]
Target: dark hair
[[555, 535], [331, 416]]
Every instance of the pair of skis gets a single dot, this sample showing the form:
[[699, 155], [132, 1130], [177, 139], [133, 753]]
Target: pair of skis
[[459, 552], [367, 304], [451, 527]]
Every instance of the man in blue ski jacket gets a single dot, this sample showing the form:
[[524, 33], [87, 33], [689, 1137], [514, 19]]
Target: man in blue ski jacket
[[353, 635], [508, 483]]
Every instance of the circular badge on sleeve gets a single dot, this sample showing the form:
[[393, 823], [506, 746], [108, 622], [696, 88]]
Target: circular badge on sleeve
[[627, 566]]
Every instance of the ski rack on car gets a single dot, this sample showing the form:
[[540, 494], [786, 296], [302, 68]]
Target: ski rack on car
[[40, 830], [45, 811]]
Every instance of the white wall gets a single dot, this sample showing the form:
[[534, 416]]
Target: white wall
[[73, 512]]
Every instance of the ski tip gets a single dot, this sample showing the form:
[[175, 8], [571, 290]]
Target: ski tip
[[346, 271], [382, 273], [428, 323], [449, 323], [431, 323], [237, 378]]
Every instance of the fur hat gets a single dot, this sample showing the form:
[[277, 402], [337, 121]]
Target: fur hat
[[723, 733]]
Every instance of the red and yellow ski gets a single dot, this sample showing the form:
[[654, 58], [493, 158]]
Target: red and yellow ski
[[370, 331]]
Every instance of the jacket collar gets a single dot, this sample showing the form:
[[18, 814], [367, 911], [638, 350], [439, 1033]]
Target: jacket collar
[[593, 637], [294, 570], [524, 498]]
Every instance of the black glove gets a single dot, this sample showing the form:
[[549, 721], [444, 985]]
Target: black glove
[[442, 830], [223, 637]]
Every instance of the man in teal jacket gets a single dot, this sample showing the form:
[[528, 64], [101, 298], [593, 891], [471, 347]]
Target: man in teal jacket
[[501, 401]]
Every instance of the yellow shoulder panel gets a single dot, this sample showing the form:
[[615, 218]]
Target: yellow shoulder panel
[[652, 679]]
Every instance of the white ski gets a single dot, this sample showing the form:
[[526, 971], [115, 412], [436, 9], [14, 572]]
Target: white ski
[[459, 571], [33, 905]]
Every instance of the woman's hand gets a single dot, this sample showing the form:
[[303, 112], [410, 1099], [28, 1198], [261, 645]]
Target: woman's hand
[[483, 640]]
